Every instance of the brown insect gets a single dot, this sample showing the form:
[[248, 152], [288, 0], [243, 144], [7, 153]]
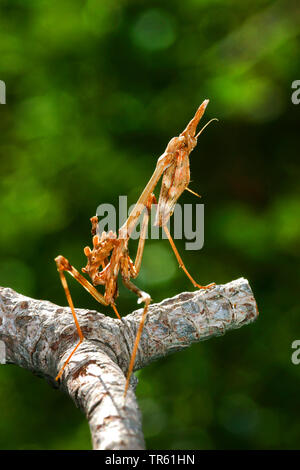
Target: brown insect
[[110, 257]]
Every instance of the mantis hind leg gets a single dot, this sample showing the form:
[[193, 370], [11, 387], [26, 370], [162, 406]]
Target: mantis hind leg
[[64, 265], [181, 264], [71, 305], [143, 297]]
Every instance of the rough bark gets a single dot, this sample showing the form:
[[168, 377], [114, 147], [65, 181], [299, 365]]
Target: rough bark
[[39, 335]]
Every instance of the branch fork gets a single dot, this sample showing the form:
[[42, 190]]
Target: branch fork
[[39, 335]]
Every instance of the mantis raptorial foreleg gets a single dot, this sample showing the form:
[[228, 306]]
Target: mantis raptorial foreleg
[[162, 164]]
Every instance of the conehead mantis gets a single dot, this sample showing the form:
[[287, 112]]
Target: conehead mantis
[[109, 256]]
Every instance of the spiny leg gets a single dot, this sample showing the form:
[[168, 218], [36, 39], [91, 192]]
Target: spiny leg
[[70, 302], [144, 297], [181, 264], [64, 265]]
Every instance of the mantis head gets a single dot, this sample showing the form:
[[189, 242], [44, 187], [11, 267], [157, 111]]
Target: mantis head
[[176, 177]]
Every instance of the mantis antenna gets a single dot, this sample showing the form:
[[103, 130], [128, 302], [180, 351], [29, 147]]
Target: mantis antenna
[[201, 130]]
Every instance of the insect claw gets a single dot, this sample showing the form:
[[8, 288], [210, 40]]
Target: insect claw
[[209, 286]]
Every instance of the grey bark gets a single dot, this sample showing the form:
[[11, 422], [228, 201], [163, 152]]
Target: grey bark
[[39, 335]]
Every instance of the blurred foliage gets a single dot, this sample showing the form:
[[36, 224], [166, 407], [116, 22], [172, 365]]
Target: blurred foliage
[[95, 90]]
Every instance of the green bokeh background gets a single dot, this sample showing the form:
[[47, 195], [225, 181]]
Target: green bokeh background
[[95, 90]]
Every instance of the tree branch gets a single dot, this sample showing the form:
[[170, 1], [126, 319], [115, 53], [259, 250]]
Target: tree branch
[[38, 335]]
